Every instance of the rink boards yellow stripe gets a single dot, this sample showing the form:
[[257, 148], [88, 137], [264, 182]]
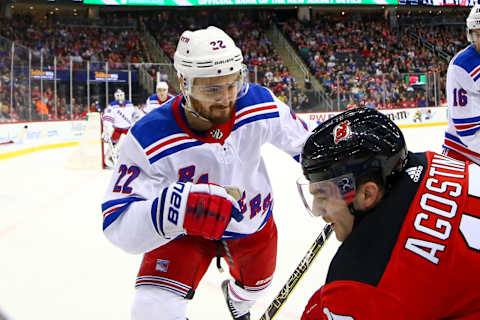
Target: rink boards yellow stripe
[[25, 151], [418, 125], [22, 152]]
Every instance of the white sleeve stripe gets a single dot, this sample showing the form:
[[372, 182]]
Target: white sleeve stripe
[[474, 180], [255, 106], [153, 152], [166, 139], [255, 113]]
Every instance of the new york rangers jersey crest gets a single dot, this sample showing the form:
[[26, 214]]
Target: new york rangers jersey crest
[[162, 265]]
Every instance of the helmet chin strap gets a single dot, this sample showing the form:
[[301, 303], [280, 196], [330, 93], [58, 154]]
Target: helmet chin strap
[[356, 213], [188, 107]]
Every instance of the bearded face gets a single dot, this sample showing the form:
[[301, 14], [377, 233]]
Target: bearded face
[[214, 98]]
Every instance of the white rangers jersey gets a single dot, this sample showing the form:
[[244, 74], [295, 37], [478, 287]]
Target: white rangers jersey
[[161, 149], [121, 116], [463, 97], [153, 102]]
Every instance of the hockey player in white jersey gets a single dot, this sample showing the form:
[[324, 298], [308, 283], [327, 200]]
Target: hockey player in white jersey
[[117, 119], [462, 137], [191, 184], [160, 97]]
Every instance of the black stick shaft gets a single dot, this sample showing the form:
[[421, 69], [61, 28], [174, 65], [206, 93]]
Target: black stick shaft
[[302, 267]]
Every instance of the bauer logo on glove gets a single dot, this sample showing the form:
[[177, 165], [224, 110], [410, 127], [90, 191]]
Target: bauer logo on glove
[[195, 209]]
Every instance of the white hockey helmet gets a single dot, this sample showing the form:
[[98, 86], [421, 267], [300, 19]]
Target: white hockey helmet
[[207, 53], [473, 21], [162, 85], [119, 95]]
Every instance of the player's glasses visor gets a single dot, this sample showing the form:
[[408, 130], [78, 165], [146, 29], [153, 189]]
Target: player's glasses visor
[[330, 194], [229, 89]]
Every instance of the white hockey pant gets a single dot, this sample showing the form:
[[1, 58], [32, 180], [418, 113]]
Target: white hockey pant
[[152, 303]]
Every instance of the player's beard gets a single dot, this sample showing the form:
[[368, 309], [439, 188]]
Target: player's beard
[[216, 113], [476, 45]]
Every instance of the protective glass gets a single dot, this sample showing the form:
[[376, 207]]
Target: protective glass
[[328, 195], [229, 90]]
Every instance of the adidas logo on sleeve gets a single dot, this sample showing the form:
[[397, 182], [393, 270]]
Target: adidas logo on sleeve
[[414, 173]]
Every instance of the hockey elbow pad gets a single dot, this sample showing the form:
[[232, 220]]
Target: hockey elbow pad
[[195, 209]]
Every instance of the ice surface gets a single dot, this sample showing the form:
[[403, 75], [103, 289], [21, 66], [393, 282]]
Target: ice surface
[[55, 262]]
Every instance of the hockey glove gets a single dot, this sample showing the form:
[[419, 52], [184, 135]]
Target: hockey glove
[[195, 209]]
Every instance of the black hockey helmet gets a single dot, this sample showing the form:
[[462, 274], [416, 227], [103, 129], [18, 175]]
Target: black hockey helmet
[[357, 141]]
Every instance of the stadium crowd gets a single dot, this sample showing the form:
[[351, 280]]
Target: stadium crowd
[[247, 28], [117, 46], [360, 60]]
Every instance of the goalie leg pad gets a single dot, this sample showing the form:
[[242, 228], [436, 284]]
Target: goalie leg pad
[[109, 155]]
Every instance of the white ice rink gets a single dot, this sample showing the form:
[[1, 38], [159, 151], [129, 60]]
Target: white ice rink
[[55, 263]]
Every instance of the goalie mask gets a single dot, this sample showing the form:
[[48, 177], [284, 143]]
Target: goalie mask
[[344, 149], [473, 23], [210, 54], [119, 96]]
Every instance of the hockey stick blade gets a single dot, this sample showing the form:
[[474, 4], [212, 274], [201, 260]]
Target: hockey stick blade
[[302, 267]]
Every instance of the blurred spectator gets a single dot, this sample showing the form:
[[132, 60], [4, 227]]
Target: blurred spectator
[[308, 81], [351, 105], [295, 103], [246, 28], [5, 115], [364, 58], [370, 104]]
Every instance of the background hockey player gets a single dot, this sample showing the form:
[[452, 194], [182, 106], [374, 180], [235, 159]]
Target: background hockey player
[[194, 185], [408, 221], [160, 97], [462, 137], [117, 119]]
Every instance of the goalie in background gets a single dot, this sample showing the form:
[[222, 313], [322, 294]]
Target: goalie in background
[[117, 119], [408, 222]]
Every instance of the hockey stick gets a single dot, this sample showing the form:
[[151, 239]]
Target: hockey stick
[[302, 267]]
